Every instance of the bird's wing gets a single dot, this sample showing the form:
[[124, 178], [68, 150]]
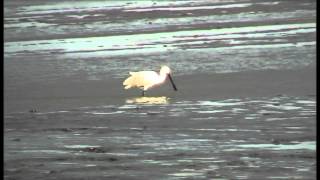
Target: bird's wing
[[140, 79]]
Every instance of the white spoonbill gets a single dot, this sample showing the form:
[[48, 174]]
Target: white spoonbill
[[148, 79]]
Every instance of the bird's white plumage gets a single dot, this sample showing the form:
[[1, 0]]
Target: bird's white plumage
[[146, 79], [142, 79]]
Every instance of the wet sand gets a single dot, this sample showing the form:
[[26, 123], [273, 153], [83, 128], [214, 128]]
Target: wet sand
[[253, 125], [76, 92], [245, 106]]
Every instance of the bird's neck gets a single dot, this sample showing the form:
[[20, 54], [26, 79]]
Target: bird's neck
[[162, 77]]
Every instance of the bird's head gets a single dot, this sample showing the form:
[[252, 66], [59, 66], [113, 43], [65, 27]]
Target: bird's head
[[165, 70]]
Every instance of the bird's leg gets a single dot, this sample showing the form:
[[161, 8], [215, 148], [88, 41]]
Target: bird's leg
[[143, 92]]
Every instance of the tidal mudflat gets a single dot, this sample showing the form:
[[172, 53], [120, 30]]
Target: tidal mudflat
[[245, 106], [249, 138]]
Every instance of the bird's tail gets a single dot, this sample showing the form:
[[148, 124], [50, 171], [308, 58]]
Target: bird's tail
[[127, 83], [127, 87]]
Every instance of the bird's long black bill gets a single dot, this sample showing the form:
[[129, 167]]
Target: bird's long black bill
[[173, 85]]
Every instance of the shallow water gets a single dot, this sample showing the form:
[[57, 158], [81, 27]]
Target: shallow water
[[88, 38], [159, 137], [200, 139]]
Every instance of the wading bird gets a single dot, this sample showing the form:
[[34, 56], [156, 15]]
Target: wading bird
[[148, 79]]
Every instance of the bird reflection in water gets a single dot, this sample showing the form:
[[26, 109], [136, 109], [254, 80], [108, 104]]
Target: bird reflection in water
[[148, 100]]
